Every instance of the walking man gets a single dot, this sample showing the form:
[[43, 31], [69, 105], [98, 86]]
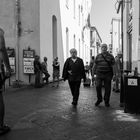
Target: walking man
[[73, 71], [104, 72], [45, 70], [37, 70], [3, 75]]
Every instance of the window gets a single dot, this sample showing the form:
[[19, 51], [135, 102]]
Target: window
[[130, 4], [67, 3], [79, 47], [54, 35], [74, 8], [79, 14], [74, 41], [67, 42]]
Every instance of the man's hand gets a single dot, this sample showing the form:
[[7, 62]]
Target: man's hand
[[70, 72]]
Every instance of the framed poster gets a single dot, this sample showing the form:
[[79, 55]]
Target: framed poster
[[12, 60], [28, 61]]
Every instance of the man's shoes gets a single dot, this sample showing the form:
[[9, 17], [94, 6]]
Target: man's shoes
[[74, 103], [117, 90], [121, 104], [98, 102], [4, 129], [107, 104]]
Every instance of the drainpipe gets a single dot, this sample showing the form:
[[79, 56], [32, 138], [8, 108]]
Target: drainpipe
[[121, 4], [18, 34], [122, 33]]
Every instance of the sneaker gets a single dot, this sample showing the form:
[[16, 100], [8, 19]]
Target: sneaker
[[97, 103]]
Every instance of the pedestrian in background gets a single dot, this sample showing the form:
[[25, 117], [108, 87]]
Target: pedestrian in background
[[87, 69], [91, 67], [104, 72], [37, 70], [74, 71], [45, 70], [56, 72], [117, 73], [3, 75]]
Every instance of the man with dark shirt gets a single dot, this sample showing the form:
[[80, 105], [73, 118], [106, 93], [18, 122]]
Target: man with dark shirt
[[73, 71], [4, 60], [103, 67]]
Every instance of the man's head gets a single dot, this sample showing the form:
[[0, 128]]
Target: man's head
[[56, 58], [104, 48], [119, 55], [45, 59], [73, 53], [37, 58]]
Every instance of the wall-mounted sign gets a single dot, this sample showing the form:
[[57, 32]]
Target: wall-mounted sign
[[11, 55], [132, 82], [28, 61]]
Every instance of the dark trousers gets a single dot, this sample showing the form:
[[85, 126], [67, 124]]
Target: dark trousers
[[2, 110], [37, 79], [75, 87], [107, 85]]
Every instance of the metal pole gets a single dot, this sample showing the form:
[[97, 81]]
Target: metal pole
[[18, 24]]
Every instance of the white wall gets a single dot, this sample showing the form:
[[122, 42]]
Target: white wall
[[48, 9], [116, 32]]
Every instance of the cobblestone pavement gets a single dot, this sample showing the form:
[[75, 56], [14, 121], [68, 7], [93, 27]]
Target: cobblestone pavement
[[47, 114]]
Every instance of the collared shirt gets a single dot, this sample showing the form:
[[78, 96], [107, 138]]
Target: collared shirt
[[74, 59]]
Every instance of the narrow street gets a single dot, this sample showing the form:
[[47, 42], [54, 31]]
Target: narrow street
[[47, 114]]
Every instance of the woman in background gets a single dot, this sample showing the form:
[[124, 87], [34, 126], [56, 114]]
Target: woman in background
[[56, 72]]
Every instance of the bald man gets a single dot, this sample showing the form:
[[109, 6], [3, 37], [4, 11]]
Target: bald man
[[3, 59], [74, 71], [104, 72]]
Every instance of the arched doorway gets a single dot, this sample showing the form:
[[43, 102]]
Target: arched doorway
[[54, 35]]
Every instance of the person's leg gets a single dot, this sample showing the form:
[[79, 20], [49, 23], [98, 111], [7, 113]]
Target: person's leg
[[3, 128], [121, 92], [71, 85], [57, 80], [117, 84], [76, 91], [46, 78], [38, 83], [53, 83], [107, 85], [35, 79], [1, 109], [98, 90]]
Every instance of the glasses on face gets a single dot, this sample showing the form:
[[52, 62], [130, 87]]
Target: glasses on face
[[73, 52]]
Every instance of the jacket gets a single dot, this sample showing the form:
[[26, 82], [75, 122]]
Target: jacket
[[74, 71]]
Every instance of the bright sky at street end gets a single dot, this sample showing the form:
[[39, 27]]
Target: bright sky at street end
[[102, 13]]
